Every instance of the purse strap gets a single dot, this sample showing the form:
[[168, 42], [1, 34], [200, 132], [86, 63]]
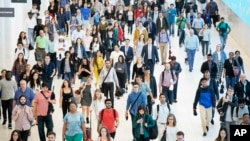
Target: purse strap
[[135, 101], [106, 75]]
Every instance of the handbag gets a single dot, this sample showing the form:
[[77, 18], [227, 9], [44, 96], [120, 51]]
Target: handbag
[[222, 88], [153, 131], [30, 47], [102, 88], [164, 136]]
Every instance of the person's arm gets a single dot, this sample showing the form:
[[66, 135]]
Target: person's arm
[[160, 83], [61, 97], [29, 113], [15, 113], [197, 97], [63, 131], [115, 78], [117, 119]]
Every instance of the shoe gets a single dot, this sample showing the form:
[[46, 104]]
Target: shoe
[[207, 128], [87, 119], [4, 122], [212, 121], [175, 101], [10, 126], [190, 70], [204, 134]]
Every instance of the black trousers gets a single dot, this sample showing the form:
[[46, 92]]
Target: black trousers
[[108, 90], [24, 135], [122, 79], [48, 122], [65, 107], [7, 106]]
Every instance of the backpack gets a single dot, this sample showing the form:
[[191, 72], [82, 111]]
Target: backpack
[[203, 1], [102, 112], [23, 51], [158, 107], [153, 131]]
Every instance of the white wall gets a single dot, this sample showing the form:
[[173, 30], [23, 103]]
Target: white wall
[[10, 28]]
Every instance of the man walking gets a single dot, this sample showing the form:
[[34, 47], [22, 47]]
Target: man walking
[[223, 29], [164, 43], [191, 45]]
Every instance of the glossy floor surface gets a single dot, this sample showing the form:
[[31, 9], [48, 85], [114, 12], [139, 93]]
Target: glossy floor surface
[[188, 81]]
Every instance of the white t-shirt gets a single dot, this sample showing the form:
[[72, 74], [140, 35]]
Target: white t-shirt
[[115, 55]]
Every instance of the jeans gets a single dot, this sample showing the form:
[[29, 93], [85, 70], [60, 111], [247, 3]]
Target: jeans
[[191, 55], [30, 36], [204, 45], [128, 70], [89, 53], [151, 66], [181, 34], [132, 118], [130, 27], [24, 134], [76, 137], [7, 106], [175, 89], [230, 81], [47, 120], [171, 29], [58, 65], [68, 76], [223, 41], [168, 94]]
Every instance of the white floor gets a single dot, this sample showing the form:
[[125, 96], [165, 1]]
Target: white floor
[[183, 109]]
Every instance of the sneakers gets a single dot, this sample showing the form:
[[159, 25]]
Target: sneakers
[[204, 134], [207, 128], [10, 126], [4, 122], [87, 119], [212, 121]]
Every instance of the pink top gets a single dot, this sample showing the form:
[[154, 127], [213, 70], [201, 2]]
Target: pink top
[[22, 122], [41, 103]]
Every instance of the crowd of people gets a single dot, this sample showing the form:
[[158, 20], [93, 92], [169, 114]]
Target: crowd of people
[[85, 40]]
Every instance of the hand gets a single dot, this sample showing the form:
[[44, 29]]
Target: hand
[[197, 49], [225, 100], [146, 124], [139, 121], [126, 114], [19, 111], [27, 110]]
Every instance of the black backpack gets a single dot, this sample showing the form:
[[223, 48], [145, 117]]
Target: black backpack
[[172, 74], [203, 1], [153, 131]]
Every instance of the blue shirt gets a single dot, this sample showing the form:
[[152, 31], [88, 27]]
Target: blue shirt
[[142, 100], [85, 13], [171, 15], [28, 93], [73, 123]]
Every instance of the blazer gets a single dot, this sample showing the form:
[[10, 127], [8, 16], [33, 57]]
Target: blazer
[[164, 24], [130, 55], [213, 71], [71, 65], [154, 52], [83, 51], [154, 29]]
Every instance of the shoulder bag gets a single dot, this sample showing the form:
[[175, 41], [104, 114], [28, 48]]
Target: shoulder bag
[[134, 102], [50, 106], [164, 135], [102, 88]]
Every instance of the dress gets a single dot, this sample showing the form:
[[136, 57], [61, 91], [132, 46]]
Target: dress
[[65, 101], [98, 66], [139, 47], [86, 99]]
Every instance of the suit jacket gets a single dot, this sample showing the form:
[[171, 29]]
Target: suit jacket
[[213, 70], [130, 55], [153, 30], [154, 52], [164, 24]]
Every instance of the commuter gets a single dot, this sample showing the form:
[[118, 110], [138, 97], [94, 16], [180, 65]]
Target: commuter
[[240, 64], [180, 136], [223, 29], [239, 111], [41, 45], [181, 22], [242, 89], [22, 115], [51, 136], [245, 119], [164, 42], [98, 102], [23, 39], [205, 39], [138, 68], [115, 55], [26, 74], [171, 129], [35, 82], [73, 125], [138, 31], [228, 72], [211, 66], [191, 45], [60, 54], [212, 9], [171, 19], [225, 108], [18, 67], [49, 72], [98, 64], [222, 136], [161, 23], [66, 94], [8, 88], [42, 110], [109, 118], [206, 100], [67, 67], [30, 23], [104, 135], [121, 71], [84, 70], [15, 136]]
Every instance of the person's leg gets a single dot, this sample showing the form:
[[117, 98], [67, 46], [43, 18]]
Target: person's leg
[[128, 70], [164, 91], [49, 123], [225, 41], [161, 46], [227, 81], [77, 137], [24, 135], [111, 94], [203, 118], [105, 89], [50, 81], [203, 48], [149, 104], [10, 107], [64, 108], [175, 90], [112, 135], [4, 109], [165, 52], [189, 56], [69, 138], [208, 116], [161, 128], [192, 58], [132, 118], [40, 121], [170, 93]]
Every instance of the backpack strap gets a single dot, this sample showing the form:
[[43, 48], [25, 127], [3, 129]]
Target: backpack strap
[[172, 74], [157, 107], [102, 112], [237, 110]]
